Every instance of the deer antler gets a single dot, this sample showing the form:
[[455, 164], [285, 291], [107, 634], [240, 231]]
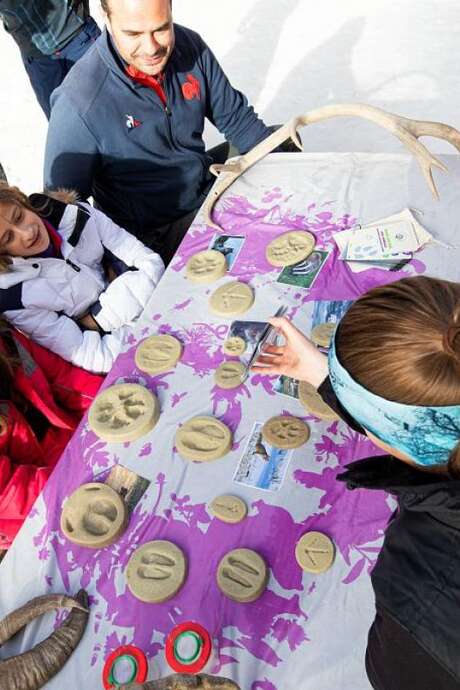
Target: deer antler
[[408, 132]]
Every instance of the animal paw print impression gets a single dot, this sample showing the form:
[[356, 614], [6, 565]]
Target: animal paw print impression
[[290, 248], [94, 516], [206, 267], [156, 571], [234, 346], [285, 432], [123, 412]]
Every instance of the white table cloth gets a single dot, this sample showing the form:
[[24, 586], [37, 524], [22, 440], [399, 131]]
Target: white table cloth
[[305, 632]]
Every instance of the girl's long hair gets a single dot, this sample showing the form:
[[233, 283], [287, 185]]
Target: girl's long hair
[[402, 342], [9, 194]]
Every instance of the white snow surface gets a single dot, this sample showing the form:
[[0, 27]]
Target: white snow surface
[[289, 56]]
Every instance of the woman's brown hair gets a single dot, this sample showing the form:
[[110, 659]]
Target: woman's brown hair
[[402, 342], [11, 195]]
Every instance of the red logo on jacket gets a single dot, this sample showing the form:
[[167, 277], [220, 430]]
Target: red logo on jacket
[[191, 88]]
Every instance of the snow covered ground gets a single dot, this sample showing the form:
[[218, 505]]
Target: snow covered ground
[[289, 56]]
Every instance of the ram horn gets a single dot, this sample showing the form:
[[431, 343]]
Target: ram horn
[[184, 681], [408, 132], [33, 669]]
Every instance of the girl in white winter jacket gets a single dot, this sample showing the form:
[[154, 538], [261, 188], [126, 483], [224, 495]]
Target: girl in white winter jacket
[[55, 259]]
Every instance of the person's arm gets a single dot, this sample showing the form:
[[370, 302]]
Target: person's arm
[[228, 109], [298, 358], [125, 297], [124, 246], [123, 301], [71, 153], [60, 334]]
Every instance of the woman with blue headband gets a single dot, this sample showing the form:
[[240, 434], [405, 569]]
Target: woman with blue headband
[[393, 373]]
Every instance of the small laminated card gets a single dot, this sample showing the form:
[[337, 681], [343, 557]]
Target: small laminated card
[[391, 239]]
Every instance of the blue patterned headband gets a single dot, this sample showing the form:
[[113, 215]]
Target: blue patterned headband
[[427, 435]]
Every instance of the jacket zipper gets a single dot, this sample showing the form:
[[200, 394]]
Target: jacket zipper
[[72, 265], [167, 109]]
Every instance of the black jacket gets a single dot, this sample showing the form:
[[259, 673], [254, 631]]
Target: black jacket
[[144, 163], [414, 643]]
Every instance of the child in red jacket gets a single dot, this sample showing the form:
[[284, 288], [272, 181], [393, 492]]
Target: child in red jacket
[[42, 399]]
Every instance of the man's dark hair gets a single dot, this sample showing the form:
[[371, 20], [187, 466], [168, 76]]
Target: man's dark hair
[[106, 9]]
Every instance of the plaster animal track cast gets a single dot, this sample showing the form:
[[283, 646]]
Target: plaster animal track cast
[[230, 375], [123, 412], [290, 248], [203, 439], [231, 299], [322, 334], [158, 353], [285, 432], [156, 571], [234, 346], [185, 681], [206, 267], [229, 509], [313, 402], [242, 575], [94, 516], [315, 552]]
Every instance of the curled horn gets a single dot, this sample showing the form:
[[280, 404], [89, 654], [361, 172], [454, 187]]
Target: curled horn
[[184, 681], [408, 132], [33, 669]]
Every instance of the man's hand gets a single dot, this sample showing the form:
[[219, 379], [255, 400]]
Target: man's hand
[[299, 358], [289, 146]]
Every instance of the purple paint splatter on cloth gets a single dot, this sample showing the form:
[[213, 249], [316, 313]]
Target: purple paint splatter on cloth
[[270, 628]]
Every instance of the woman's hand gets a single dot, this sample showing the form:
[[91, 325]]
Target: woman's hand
[[298, 358]]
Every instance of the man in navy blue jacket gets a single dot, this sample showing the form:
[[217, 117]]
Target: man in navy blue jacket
[[127, 123]]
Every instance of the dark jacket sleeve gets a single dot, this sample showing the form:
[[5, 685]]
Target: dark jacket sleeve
[[327, 393], [228, 109], [71, 153]]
